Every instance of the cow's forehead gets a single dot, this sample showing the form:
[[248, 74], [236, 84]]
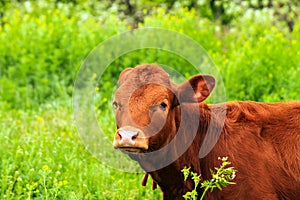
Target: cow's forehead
[[142, 78], [146, 74], [154, 92], [151, 92]]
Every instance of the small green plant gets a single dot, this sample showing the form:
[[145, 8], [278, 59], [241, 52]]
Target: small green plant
[[221, 178]]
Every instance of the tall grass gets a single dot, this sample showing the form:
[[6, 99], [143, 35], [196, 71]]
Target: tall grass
[[42, 157]]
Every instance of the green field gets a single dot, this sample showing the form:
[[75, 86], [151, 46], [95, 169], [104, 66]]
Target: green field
[[42, 157], [44, 43]]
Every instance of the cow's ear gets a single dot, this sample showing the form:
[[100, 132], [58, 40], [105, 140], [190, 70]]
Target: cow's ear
[[123, 75], [196, 89]]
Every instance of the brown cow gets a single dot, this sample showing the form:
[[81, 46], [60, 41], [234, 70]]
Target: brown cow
[[262, 140]]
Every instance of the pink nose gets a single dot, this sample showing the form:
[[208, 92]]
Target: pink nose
[[126, 136], [130, 137]]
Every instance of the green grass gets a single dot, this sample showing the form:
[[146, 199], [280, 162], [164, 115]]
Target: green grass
[[42, 157]]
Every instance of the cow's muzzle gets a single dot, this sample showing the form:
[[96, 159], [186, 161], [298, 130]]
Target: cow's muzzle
[[130, 139]]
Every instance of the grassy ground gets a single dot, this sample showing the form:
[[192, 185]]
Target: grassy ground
[[42, 157]]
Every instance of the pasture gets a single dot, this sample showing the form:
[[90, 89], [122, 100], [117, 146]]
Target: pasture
[[42, 46]]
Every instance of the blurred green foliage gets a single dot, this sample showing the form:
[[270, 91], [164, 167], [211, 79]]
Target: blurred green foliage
[[43, 44]]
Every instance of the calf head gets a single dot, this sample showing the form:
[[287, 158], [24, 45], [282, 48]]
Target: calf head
[[147, 106]]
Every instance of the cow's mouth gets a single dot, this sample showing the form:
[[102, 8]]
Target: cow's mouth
[[129, 149]]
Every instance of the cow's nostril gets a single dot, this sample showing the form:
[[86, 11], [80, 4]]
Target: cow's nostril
[[119, 135], [134, 136]]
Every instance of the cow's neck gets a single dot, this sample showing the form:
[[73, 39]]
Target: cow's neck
[[170, 178]]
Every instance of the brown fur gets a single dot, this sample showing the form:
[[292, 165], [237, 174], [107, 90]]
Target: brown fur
[[262, 140]]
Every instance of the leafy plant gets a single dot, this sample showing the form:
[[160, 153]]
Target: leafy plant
[[222, 177]]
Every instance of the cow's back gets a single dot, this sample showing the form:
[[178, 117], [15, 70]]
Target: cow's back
[[268, 135]]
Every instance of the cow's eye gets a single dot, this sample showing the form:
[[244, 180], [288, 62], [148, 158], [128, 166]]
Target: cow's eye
[[115, 104], [163, 105]]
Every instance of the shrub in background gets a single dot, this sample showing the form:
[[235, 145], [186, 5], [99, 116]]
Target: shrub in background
[[43, 44], [42, 47], [257, 58]]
